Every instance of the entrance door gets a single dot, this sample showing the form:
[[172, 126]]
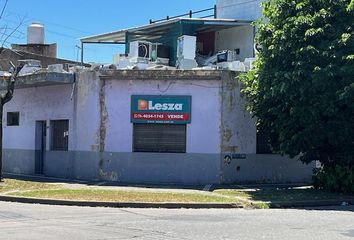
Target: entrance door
[[41, 137]]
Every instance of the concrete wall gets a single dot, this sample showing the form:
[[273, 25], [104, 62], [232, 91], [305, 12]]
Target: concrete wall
[[100, 131], [201, 162], [136, 167], [258, 168], [239, 9], [238, 128], [236, 38]]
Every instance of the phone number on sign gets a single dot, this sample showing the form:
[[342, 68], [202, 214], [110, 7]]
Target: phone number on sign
[[160, 116]]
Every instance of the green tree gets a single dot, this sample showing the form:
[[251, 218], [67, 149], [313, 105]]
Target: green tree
[[302, 86]]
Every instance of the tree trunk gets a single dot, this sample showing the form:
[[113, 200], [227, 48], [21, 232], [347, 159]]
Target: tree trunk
[[3, 100]]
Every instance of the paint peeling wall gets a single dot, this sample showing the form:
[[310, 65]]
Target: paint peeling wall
[[100, 131], [87, 111], [238, 128], [239, 163]]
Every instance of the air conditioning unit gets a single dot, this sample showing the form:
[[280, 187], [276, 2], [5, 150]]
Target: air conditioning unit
[[140, 50], [144, 51]]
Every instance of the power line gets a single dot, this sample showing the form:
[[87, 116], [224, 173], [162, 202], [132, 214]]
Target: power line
[[13, 31], [49, 22]]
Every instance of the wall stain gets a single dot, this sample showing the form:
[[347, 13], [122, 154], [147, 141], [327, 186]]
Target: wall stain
[[107, 176], [103, 116]]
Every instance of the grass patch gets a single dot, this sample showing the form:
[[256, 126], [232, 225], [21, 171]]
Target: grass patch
[[9, 185], [124, 196], [282, 195], [260, 198]]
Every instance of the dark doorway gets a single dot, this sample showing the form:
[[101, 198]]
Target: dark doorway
[[41, 138], [59, 135]]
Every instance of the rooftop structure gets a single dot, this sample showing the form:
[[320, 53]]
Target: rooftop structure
[[211, 37]]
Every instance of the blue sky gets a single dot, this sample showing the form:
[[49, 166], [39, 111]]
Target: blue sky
[[66, 21]]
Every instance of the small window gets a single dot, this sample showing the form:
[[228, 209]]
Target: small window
[[59, 135], [162, 138], [13, 119]]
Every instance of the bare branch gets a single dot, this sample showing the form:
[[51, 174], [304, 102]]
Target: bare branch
[[11, 83], [2, 35], [13, 31], [3, 9]]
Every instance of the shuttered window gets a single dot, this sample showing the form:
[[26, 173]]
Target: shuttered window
[[163, 138]]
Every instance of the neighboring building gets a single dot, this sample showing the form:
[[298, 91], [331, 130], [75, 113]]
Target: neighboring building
[[35, 42], [144, 126], [239, 9], [211, 35], [35, 49], [18, 55]]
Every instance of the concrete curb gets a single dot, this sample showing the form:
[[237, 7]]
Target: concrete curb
[[305, 204], [173, 205], [119, 204]]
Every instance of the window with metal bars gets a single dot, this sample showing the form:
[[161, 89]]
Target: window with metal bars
[[59, 135], [162, 138]]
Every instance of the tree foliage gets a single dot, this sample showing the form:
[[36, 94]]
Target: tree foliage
[[302, 86]]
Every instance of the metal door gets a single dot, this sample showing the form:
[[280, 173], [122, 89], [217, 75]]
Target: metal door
[[41, 138]]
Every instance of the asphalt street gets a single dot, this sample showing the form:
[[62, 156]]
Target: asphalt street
[[29, 221]]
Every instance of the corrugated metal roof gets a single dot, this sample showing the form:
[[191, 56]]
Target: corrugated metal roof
[[157, 30]]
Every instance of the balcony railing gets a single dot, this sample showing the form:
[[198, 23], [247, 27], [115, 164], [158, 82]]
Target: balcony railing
[[190, 14]]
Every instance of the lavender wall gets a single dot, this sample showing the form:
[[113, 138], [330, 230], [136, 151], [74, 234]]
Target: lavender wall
[[203, 134], [34, 104]]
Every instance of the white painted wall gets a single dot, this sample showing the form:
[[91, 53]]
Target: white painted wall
[[239, 9], [202, 134], [37, 104], [236, 38]]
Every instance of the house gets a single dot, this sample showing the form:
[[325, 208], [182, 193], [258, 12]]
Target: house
[[145, 122]]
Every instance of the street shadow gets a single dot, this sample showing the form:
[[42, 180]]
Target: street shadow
[[293, 196]]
